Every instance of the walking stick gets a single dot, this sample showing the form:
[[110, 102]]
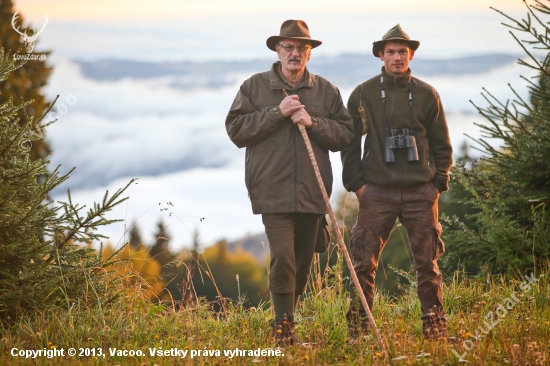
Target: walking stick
[[341, 243]]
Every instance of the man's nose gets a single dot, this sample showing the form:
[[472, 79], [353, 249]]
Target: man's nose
[[295, 51]]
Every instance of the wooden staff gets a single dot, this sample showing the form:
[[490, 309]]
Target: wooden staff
[[341, 243]]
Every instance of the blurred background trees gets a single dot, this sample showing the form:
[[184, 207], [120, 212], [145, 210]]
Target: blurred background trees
[[184, 276]]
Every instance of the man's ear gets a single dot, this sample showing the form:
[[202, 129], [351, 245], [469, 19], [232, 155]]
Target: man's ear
[[381, 55], [412, 55]]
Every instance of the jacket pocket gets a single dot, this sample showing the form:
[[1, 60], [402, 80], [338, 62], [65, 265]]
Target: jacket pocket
[[269, 145], [276, 139], [356, 245], [315, 110], [438, 245]]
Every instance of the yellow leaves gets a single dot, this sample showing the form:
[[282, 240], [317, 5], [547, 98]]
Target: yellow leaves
[[137, 260]]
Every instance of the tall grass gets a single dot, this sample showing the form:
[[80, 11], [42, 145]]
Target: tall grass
[[132, 322]]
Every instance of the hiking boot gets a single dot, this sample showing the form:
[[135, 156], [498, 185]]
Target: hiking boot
[[434, 331], [283, 332], [353, 327]]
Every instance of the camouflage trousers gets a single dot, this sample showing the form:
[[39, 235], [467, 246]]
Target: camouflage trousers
[[416, 208]]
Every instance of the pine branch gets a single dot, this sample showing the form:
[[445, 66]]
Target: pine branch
[[106, 206], [539, 66]]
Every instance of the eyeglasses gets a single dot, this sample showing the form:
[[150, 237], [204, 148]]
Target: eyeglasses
[[290, 48]]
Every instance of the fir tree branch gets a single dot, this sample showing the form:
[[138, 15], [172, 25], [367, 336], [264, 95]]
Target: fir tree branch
[[107, 205], [527, 52]]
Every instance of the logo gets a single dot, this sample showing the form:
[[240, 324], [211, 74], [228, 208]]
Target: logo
[[29, 40]]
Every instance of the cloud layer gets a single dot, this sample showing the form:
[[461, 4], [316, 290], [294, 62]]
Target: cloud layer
[[174, 141]]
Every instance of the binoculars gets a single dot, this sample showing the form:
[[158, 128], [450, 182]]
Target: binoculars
[[402, 140]]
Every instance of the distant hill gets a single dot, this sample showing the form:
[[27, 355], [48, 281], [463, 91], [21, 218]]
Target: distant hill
[[253, 245], [342, 70]]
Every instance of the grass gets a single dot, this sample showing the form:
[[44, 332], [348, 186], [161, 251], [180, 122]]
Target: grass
[[133, 322]]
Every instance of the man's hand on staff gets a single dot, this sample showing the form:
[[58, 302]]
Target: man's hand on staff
[[302, 117], [291, 106]]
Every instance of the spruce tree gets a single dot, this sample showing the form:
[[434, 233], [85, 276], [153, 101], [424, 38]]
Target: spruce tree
[[510, 185], [160, 251], [135, 237], [25, 83], [45, 254]]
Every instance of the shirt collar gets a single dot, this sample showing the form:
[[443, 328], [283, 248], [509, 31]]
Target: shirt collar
[[400, 80], [276, 81]]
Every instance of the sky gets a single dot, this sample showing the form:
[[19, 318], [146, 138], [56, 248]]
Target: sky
[[107, 9], [173, 30]]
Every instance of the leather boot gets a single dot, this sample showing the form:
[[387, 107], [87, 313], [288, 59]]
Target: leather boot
[[436, 330], [283, 332], [353, 321]]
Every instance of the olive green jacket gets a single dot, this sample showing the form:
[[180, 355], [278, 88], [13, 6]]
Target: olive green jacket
[[278, 173], [430, 131]]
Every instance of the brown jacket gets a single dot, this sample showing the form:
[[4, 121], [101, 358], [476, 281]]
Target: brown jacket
[[430, 130], [278, 173]]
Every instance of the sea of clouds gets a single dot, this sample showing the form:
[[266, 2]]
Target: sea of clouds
[[175, 142], [173, 138]]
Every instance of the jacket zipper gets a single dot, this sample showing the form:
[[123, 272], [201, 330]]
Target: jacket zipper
[[294, 129], [391, 124], [295, 169]]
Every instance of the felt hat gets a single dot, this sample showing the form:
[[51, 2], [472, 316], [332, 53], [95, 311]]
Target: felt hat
[[394, 34], [294, 29]]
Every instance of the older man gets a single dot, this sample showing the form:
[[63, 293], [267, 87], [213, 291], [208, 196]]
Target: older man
[[279, 176], [400, 174]]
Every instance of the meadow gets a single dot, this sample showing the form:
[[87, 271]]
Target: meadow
[[496, 321]]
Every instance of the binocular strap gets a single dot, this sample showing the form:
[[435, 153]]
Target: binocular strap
[[383, 95]]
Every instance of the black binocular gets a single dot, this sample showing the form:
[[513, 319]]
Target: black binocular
[[400, 141]]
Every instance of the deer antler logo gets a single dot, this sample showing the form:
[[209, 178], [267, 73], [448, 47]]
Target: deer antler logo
[[29, 40]]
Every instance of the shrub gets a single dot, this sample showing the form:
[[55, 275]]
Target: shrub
[[44, 259]]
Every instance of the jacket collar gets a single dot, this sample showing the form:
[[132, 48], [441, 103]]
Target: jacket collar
[[276, 81], [399, 80]]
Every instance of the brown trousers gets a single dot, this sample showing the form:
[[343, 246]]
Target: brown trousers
[[416, 208], [292, 238]]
